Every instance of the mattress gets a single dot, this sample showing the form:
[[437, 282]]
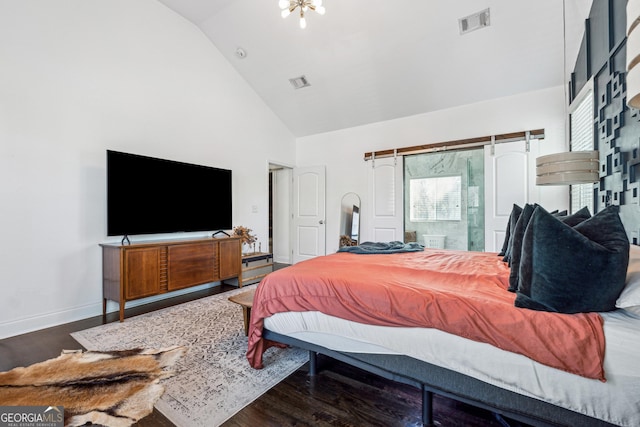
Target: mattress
[[616, 401]]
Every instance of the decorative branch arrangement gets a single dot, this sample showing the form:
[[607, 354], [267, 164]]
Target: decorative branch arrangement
[[245, 234]]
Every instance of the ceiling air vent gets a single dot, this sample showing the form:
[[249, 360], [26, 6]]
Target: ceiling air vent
[[474, 22], [299, 82]]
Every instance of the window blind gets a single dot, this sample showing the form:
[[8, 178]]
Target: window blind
[[582, 140], [435, 199]]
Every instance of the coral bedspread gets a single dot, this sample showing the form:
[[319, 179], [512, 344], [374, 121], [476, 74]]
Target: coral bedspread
[[463, 293]]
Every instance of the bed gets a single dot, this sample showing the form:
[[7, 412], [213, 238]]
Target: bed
[[446, 322]]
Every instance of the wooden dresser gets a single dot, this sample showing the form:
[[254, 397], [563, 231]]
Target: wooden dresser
[[151, 268]]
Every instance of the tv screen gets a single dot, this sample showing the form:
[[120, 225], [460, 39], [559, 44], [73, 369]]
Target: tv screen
[[147, 195]]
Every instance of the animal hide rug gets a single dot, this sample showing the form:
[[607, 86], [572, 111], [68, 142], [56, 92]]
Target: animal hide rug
[[114, 388]]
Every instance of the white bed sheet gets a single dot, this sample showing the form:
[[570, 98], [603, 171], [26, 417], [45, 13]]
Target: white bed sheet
[[616, 401]]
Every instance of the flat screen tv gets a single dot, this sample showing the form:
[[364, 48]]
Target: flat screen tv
[[147, 195]]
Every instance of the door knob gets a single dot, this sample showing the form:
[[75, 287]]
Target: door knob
[[321, 222]]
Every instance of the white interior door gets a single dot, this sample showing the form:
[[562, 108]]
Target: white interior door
[[308, 213], [509, 177], [386, 210]]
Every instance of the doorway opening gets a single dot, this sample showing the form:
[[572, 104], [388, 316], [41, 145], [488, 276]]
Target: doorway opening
[[280, 191]]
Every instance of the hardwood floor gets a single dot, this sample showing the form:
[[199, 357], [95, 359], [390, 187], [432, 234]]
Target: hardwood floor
[[341, 395], [338, 396]]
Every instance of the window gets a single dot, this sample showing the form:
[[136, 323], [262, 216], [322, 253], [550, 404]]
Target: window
[[435, 199], [582, 140]]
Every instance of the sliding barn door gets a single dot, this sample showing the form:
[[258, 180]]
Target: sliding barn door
[[386, 214], [509, 178]]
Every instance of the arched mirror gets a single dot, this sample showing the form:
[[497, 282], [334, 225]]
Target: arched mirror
[[350, 220]]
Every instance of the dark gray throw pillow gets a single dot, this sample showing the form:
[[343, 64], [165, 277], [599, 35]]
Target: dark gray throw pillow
[[516, 209], [518, 235], [573, 269], [576, 218], [516, 245], [513, 219]]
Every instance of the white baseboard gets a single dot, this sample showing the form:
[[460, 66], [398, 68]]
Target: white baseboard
[[47, 320]]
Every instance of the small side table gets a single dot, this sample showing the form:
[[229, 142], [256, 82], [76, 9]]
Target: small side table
[[245, 300], [255, 267]]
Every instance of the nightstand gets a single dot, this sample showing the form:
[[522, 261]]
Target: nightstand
[[255, 267]]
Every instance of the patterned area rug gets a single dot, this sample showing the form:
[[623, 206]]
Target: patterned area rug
[[213, 380]]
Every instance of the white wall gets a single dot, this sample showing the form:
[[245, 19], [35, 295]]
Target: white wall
[[78, 77], [342, 152]]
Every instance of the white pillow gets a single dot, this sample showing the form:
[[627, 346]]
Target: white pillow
[[630, 295], [635, 310]]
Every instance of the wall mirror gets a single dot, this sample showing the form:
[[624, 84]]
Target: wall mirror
[[350, 220]]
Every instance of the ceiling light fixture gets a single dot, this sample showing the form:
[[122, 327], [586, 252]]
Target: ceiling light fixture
[[289, 6]]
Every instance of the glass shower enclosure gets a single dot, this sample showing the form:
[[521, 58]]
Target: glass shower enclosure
[[444, 199]]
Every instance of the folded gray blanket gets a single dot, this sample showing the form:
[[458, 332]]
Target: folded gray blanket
[[382, 248]]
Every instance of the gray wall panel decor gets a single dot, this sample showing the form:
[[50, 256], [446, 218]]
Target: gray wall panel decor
[[616, 126]]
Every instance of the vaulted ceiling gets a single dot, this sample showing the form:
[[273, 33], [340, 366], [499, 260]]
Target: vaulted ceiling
[[371, 61]]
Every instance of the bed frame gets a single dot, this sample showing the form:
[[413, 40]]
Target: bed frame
[[432, 379]]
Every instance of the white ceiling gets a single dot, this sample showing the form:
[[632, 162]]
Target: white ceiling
[[370, 61]]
